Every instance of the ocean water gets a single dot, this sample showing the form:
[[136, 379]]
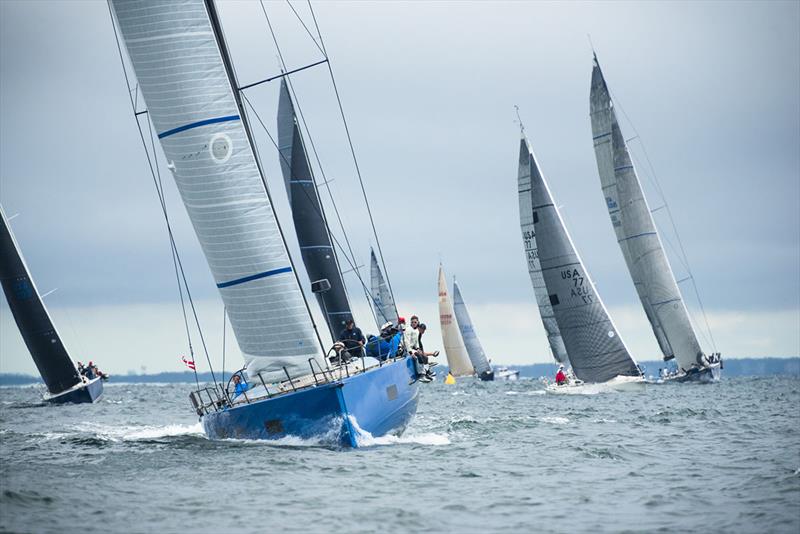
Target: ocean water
[[479, 457]]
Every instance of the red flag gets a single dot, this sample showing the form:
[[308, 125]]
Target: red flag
[[189, 363]]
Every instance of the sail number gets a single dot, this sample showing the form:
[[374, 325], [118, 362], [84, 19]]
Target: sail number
[[579, 286]]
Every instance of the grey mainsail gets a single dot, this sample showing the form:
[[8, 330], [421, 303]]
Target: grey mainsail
[[310, 225], [474, 349], [636, 233], [51, 358], [527, 163], [596, 351], [382, 300], [184, 73]]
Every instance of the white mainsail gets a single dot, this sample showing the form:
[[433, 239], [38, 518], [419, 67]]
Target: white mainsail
[[182, 70], [457, 357], [382, 300], [596, 350], [637, 235], [474, 349], [526, 165]]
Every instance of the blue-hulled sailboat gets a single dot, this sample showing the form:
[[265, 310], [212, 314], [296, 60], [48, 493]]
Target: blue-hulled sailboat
[[186, 77], [64, 382]]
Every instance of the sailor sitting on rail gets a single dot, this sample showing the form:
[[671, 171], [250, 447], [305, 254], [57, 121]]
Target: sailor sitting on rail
[[387, 345], [241, 385]]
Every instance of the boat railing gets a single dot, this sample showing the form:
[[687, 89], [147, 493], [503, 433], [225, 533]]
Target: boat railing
[[217, 398]]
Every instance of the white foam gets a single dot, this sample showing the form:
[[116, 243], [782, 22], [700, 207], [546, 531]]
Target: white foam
[[555, 420], [365, 439], [140, 433]]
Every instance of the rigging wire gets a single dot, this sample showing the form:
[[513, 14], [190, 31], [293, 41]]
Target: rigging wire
[[333, 237], [682, 255], [326, 182], [156, 175], [352, 151]]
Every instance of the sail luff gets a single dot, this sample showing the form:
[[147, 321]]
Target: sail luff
[[33, 320], [637, 234], [191, 98], [554, 339], [473, 345], [596, 350], [316, 248], [457, 358]]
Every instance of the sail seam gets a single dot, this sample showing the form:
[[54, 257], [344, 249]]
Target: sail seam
[[635, 236]]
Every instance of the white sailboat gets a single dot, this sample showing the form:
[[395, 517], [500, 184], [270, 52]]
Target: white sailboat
[[591, 340], [457, 357], [481, 363], [641, 245], [382, 300]]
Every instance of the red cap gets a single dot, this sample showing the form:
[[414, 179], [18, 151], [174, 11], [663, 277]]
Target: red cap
[[401, 319]]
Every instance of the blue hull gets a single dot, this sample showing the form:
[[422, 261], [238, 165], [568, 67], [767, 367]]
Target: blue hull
[[87, 393], [380, 401]]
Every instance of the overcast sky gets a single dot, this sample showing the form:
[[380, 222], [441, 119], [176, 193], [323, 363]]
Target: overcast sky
[[712, 88]]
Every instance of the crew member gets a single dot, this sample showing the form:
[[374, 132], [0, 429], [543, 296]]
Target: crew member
[[561, 377], [352, 338]]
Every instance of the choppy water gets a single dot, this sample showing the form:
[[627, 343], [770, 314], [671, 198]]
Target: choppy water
[[480, 457]]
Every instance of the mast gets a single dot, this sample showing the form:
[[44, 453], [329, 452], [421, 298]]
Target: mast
[[636, 232], [457, 357], [474, 348], [44, 344], [187, 81], [596, 350]]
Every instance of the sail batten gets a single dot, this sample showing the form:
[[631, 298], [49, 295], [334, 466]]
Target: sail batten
[[310, 225], [458, 359], [473, 345], [637, 235], [596, 350], [187, 85]]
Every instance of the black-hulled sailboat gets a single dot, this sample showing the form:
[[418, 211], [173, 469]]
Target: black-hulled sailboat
[[64, 382], [186, 77], [641, 245]]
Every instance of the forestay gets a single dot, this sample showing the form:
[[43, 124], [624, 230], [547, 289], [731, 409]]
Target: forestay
[[382, 300], [183, 72], [457, 357], [474, 349], [596, 351], [310, 226], [51, 358], [636, 233], [526, 165]]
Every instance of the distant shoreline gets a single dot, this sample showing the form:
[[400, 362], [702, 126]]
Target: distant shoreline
[[789, 366]]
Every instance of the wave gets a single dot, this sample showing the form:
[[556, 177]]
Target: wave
[[365, 439], [139, 432], [555, 420]]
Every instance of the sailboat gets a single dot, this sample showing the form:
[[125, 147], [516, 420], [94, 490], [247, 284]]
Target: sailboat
[[641, 245], [186, 77], [592, 342], [64, 382], [311, 227], [382, 300], [458, 359], [482, 365]]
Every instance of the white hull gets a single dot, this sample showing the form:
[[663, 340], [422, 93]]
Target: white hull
[[707, 375], [616, 384], [506, 374]]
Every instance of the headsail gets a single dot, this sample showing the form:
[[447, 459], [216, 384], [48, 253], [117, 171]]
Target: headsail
[[457, 357], [474, 349], [636, 233], [382, 300], [310, 226], [184, 73], [51, 358], [526, 165], [596, 351]]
